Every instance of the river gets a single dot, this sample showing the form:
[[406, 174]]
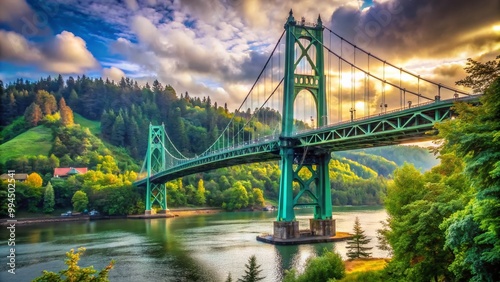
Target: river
[[188, 248]]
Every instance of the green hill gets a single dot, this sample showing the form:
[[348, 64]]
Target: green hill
[[93, 126], [36, 141]]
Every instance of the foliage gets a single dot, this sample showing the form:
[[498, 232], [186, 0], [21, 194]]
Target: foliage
[[33, 115], [417, 205], [34, 180], [229, 278], [356, 247], [48, 199], [252, 271], [365, 276], [480, 75], [79, 201], [76, 273], [235, 197], [328, 267], [473, 233]]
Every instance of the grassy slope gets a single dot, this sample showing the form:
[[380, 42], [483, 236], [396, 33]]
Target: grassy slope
[[34, 142], [93, 126]]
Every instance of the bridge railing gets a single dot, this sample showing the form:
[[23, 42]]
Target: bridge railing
[[421, 105]]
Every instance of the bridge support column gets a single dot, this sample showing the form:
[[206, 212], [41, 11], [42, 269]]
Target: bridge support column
[[156, 162]]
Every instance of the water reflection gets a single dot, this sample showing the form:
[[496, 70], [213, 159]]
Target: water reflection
[[196, 248]]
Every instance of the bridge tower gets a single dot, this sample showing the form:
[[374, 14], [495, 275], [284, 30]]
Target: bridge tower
[[155, 162], [304, 48]]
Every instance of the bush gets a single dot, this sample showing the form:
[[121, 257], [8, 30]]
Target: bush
[[327, 267]]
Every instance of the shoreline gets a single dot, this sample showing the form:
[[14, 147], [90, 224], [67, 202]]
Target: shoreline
[[171, 213]]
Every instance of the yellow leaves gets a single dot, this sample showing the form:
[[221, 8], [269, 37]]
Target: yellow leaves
[[34, 180]]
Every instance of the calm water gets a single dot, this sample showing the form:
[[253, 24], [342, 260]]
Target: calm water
[[195, 248]]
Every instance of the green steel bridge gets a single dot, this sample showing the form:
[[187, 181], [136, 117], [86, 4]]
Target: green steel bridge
[[316, 94]]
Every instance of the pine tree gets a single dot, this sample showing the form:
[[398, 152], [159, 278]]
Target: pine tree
[[356, 246], [252, 272], [48, 199], [229, 278]]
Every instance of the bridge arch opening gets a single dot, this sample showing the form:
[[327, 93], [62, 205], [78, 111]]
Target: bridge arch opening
[[305, 111]]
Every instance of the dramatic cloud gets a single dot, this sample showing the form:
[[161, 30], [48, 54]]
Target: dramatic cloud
[[218, 47], [426, 28], [66, 53]]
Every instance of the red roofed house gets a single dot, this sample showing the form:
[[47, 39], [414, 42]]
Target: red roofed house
[[68, 171]]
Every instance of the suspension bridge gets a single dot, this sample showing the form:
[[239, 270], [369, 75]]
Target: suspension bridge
[[316, 93]]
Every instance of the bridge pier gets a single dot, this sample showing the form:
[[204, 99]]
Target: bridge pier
[[286, 230], [322, 227]]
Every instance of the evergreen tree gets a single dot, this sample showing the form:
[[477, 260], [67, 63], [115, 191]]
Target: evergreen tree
[[229, 278], [48, 199], [357, 245], [33, 114], [118, 131], [252, 271]]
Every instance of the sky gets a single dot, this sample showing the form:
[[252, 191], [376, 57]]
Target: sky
[[214, 47]]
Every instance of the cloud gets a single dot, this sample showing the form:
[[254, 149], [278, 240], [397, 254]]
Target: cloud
[[12, 10], [113, 73], [66, 53], [425, 28]]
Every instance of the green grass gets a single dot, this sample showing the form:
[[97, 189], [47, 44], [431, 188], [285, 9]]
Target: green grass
[[93, 126], [34, 142]]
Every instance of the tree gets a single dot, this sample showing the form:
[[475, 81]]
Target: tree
[[481, 75], [34, 180], [357, 245], [46, 101], [229, 278], [48, 199], [200, 193], [33, 114], [80, 201], [252, 271], [67, 118], [75, 272], [473, 234]]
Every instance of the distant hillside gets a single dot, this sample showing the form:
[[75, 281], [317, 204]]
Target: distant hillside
[[36, 141], [420, 157]]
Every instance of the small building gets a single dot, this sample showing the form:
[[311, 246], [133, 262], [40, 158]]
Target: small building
[[60, 172], [21, 177]]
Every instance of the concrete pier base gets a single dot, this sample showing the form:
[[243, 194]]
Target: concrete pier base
[[322, 227], [148, 212], [288, 233], [286, 230], [162, 211]]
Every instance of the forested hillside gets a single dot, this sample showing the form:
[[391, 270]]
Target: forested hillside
[[102, 125]]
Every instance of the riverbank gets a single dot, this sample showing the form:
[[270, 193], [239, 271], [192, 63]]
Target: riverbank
[[171, 213]]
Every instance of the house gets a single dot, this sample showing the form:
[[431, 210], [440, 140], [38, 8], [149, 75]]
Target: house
[[68, 171], [21, 177]]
